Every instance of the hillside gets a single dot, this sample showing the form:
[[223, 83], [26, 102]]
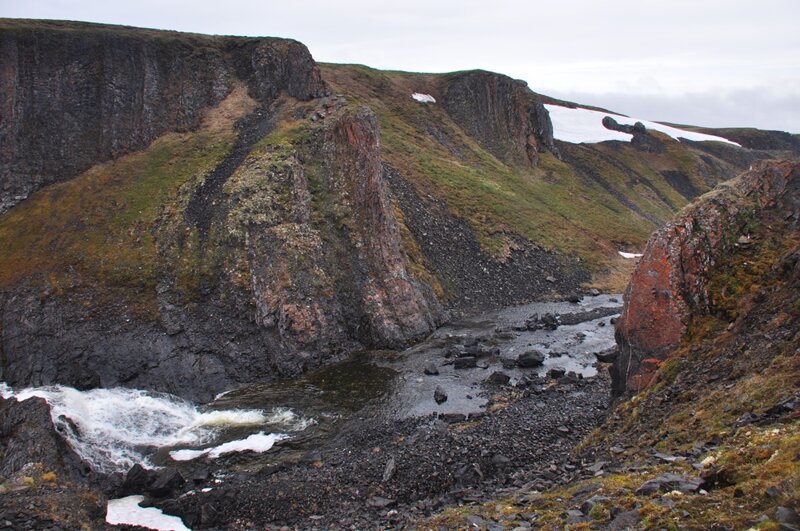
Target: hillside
[[207, 211], [706, 432], [323, 295]]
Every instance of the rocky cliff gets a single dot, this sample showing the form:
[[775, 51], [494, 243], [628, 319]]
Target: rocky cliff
[[73, 95], [256, 239], [188, 213], [681, 277], [501, 113]]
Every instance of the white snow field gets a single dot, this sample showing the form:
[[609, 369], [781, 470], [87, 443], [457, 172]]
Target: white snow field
[[585, 126]]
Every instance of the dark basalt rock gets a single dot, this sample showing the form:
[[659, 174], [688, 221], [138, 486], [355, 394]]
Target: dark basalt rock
[[116, 89], [27, 436], [531, 358], [439, 395], [467, 362], [502, 114], [499, 378], [166, 482], [138, 480]]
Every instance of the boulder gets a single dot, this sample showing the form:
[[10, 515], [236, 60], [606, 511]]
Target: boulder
[[467, 362], [431, 370], [138, 480], [167, 481], [607, 356], [27, 436], [499, 378], [531, 358], [439, 395]]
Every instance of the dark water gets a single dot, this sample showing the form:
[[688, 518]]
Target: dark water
[[392, 384]]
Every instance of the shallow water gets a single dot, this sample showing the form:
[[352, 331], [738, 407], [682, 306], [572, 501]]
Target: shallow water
[[114, 428]]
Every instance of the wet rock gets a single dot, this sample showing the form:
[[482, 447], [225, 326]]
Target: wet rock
[[556, 372], [439, 395], [452, 352], [549, 321], [467, 362], [138, 480], [431, 370], [574, 298], [570, 378], [499, 378], [508, 363], [531, 358], [27, 436], [607, 356], [167, 481]]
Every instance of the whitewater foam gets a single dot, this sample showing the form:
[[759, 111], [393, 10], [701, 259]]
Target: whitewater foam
[[111, 428], [258, 442]]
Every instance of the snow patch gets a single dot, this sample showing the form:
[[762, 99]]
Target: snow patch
[[126, 511], [579, 126], [623, 254], [258, 442], [586, 126], [423, 98]]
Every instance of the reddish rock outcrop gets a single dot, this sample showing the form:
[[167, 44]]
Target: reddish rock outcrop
[[320, 287], [671, 283]]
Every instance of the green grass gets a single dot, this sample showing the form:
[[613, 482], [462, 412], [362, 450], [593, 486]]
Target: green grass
[[550, 204], [99, 227]]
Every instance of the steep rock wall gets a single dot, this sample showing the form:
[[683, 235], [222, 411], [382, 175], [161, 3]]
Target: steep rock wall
[[301, 264], [501, 113], [72, 95], [671, 284]]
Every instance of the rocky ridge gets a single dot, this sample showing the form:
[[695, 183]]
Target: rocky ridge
[[672, 282]]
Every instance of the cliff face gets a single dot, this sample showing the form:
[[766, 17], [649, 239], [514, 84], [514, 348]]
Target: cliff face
[[502, 114], [680, 278], [188, 213], [74, 95]]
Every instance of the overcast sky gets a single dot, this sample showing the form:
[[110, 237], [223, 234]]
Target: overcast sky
[[705, 62]]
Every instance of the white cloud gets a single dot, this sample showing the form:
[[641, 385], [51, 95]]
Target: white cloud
[[664, 48]]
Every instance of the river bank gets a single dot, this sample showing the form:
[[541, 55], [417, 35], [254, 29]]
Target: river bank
[[485, 404]]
